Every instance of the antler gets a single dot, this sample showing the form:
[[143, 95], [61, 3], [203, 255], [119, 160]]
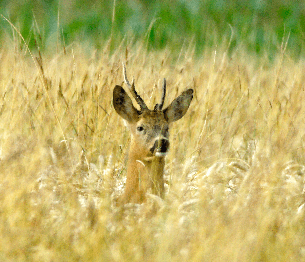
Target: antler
[[133, 91], [159, 106]]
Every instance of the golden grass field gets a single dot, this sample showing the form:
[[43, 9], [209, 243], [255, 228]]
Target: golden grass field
[[235, 171]]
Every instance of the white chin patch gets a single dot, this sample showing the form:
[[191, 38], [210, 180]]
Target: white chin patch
[[125, 123], [161, 154]]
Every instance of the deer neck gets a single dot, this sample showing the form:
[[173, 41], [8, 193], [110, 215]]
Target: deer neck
[[144, 173], [153, 165]]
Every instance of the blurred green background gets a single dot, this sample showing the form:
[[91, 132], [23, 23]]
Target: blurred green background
[[259, 27]]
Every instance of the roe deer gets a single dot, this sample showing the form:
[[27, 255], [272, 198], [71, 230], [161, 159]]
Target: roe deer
[[149, 139]]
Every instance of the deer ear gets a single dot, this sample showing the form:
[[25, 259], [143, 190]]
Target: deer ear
[[179, 106], [123, 105]]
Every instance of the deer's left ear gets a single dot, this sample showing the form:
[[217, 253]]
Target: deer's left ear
[[179, 106]]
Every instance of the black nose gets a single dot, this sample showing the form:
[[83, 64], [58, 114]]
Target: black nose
[[160, 146]]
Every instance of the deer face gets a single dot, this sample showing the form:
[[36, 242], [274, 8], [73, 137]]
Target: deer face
[[150, 128], [151, 132]]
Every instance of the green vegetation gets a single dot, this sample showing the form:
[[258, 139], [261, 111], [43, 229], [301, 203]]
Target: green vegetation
[[257, 26]]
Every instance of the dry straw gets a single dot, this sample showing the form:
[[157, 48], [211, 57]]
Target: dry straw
[[234, 175]]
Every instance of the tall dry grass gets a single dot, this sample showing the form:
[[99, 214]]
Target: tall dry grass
[[235, 172]]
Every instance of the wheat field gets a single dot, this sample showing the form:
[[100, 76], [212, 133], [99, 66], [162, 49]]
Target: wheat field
[[234, 174]]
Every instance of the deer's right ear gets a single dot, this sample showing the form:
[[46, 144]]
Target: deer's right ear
[[123, 105]]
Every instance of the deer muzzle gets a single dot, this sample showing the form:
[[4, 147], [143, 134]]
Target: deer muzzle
[[160, 147]]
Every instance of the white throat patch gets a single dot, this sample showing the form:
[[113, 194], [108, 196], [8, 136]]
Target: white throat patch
[[159, 154]]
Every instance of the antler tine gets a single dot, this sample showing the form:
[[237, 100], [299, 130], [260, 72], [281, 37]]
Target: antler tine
[[133, 91], [159, 106], [131, 87]]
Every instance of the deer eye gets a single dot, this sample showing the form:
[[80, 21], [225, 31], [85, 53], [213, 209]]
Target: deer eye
[[140, 128]]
